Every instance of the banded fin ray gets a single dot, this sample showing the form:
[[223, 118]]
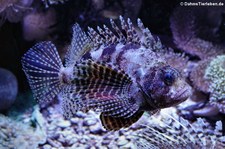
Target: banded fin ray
[[126, 34], [112, 123], [80, 45], [42, 65], [99, 86]]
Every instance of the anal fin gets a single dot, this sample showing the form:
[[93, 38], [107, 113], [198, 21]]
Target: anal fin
[[116, 123]]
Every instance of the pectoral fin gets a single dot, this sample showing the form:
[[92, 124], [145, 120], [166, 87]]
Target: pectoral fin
[[99, 86]]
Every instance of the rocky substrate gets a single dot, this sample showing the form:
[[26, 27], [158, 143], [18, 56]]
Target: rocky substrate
[[48, 129], [85, 131], [25, 131]]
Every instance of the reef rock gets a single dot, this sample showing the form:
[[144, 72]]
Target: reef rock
[[8, 89]]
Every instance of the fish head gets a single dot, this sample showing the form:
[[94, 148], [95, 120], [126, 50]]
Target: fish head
[[164, 86]]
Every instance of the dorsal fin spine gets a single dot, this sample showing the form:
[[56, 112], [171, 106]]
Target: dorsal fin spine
[[80, 45], [95, 37], [127, 34], [118, 31], [135, 37]]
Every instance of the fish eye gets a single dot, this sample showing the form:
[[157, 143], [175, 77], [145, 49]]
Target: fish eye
[[169, 78]]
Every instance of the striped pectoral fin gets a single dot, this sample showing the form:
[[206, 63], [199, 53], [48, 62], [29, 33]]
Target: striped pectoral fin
[[42, 65], [99, 86], [116, 123]]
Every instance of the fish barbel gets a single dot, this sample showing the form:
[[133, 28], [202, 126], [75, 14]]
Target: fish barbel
[[117, 71]]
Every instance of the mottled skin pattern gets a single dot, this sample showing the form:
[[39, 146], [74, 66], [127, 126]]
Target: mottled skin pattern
[[162, 85]]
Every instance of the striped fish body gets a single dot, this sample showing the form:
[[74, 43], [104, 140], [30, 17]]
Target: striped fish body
[[115, 71]]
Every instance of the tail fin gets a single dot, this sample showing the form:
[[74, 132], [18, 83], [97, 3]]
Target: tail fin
[[41, 65]]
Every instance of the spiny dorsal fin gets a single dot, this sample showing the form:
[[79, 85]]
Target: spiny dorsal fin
[[113, 38], [80, 45], [116, 123], [127, 34], [118, 31], [131, 33], [96, 38], [99, 86]]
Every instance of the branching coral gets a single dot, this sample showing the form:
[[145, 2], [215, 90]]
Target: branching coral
[[215, 72]]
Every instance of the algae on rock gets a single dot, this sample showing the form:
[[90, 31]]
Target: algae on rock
[[215, 73]]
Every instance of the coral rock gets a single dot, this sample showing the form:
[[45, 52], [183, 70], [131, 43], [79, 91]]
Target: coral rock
[[8, 89], [197, 76], [215, 72]]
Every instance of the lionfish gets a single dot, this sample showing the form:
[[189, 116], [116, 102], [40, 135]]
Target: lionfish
[[116, 71]]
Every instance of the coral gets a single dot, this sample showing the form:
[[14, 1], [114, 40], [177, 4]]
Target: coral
[[197, 76], [22, 134], [208, 81], [215, 72], [8, 88], [199, 32]]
